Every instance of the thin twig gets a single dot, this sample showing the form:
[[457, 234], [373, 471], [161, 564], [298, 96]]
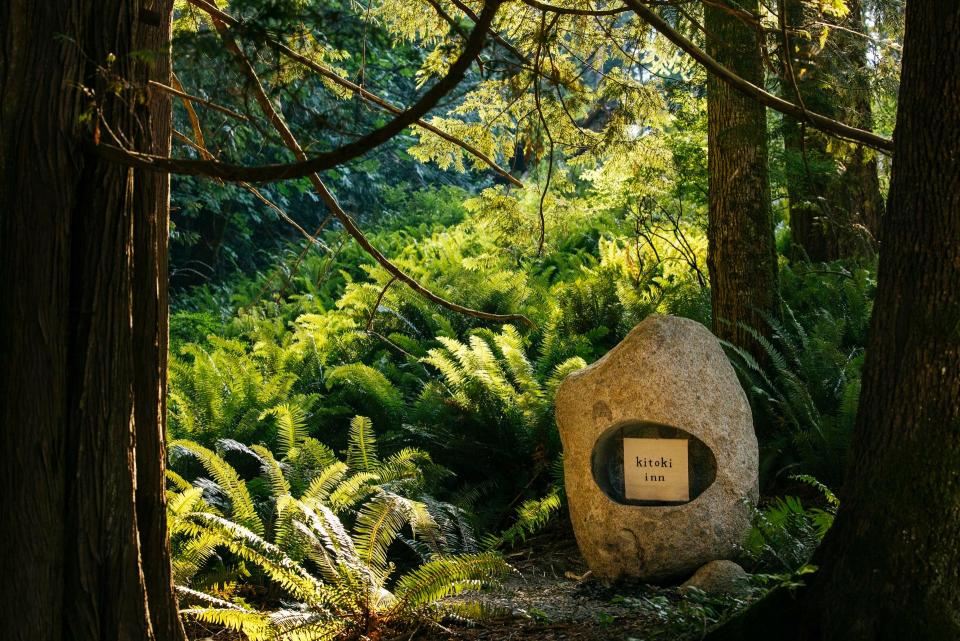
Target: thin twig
[[376, 304]]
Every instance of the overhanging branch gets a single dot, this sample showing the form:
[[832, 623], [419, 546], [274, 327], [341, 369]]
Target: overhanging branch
[[824, 124], [330, 75], [280, 125], [324, 160]]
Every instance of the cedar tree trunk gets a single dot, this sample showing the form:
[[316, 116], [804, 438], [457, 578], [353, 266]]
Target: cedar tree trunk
[[890, 567], [742, 255], [83, 323]]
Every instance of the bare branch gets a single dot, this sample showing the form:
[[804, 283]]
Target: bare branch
[[198, 100], [330, 75]]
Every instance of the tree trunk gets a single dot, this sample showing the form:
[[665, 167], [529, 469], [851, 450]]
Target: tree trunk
[[890, 567], [83, 323], [834, 189], [742, 255]]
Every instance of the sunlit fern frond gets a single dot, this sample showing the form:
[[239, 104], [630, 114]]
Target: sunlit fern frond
[[519, 366], [370, 383], [531, 516], [291, 421], [378, 523], [486, 369], [449, 576], [178, 482], [561, 371], [242, 510], [272, 471], [305, 462], [184, 502], [449, 365], [328, 543], [407, 464], [272, 560], [255, 626], [362, 445], [191, 555], [324, 482], [352, 490], [306, 625], [421, 520]]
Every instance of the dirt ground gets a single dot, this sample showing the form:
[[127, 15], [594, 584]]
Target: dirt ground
[[553, 597]]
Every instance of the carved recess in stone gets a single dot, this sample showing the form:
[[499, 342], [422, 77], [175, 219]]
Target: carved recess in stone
[[607, 461], [668, 375]]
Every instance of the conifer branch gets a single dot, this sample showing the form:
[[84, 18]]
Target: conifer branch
[[821, 122], [280, 125], [324, 160], [364, 93]]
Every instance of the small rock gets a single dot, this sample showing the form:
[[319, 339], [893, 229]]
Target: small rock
[[719, 577]]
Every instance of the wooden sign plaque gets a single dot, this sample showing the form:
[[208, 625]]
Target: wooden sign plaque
[[656, 469]]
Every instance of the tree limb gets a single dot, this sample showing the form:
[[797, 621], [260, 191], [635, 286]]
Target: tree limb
[[276, 119], [330, 75], [324, 160], [824, 124], [569, 11], [197, 99]]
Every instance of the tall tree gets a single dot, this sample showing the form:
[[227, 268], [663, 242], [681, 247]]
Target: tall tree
[[890, 567], [742, 255], [833, 186], [83, 322]]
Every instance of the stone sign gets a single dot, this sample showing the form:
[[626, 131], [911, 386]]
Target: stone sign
[[660, 456], [656, 469]]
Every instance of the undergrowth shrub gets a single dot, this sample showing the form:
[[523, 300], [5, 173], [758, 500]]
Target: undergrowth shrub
[[805, 399], [785, 532], [317, 536]]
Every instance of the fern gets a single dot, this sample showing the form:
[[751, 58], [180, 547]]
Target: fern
[[373, 387], [353, 565], [805, 399], [362, 446], [324, 483], [291, 422], [272, 469], [242, 510], [531, 516], [445, 577], [786, 533], [378, 524]]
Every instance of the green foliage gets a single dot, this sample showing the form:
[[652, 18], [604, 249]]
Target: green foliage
[[224, 389], [337, 579], [785, 533], [531, 516], [280, 348], [683, 616], [368, 387], [805, 399]]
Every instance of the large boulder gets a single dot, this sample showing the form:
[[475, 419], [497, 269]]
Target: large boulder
[[668, 379]]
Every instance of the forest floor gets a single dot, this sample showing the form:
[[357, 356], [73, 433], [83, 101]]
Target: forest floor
[[553, 597]]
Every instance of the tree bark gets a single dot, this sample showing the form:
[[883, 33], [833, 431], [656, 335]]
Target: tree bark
[[890, 567], [834, 189], [742, 256], [83, 323]]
